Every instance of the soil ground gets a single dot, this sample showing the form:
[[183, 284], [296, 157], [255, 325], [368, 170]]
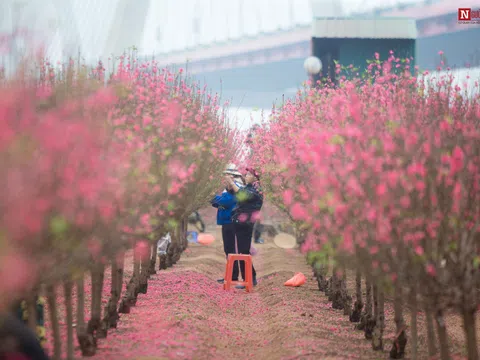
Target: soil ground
[[186, 314]]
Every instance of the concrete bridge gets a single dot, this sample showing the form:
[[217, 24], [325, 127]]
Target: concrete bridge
[[258, 70]]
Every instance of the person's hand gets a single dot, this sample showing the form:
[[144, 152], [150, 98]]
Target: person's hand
[[229, 180]]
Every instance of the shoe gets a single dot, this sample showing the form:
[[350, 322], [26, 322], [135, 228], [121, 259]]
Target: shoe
[[259, 241], [222, 281], [241, 287]]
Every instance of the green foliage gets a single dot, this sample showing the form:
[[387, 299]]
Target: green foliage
[[172, 224], [337, 140], [321, 257], [58, 225], [241, 196]]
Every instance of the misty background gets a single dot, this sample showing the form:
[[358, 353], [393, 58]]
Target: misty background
[[249, 51]]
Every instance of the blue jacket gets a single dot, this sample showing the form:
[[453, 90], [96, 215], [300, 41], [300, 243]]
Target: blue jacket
[[225, 204]]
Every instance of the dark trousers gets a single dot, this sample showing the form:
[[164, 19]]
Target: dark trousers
[[228, 235], [244, 232]]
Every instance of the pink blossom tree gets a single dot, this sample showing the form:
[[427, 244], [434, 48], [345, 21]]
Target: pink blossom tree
[[104, 169], [382, 173]]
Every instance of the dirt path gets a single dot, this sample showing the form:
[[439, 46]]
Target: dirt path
[[187, 315]]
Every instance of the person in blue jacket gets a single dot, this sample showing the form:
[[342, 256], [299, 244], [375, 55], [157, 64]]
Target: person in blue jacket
[[244, 215], [225, 203]]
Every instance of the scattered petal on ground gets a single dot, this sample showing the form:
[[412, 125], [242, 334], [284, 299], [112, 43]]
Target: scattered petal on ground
[[186, 314]]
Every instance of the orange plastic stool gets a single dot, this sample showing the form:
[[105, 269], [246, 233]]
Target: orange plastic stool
[[248, 283]]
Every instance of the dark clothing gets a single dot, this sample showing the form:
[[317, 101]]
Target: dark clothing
[[244, 231], [195, 219], [27, 340], [249, 201], [22, 314], [14, 356], [228, 235], [257, 231]]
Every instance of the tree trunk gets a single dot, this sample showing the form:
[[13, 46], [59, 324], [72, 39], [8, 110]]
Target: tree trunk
[[442, 336], [367, 312], [87, 342], [137, 267], [144, 274], [332, 291], [370, 325], [320, 271], [469, 327], [413, 323], [400, 340], [52, 307], [338, 298], [110, 315], [162, 262], [120, 273], [98, 273], [130, 297], [346, 298], [135, 279], [470, 333], [91, 326], [113, 313], [377, 336], [177, 253], [432, 348], [358, 306], [329, 289], [67, 288], [184, 233], [375, 301], [153, 260]]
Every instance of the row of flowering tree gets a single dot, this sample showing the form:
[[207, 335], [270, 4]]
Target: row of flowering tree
[[381, 175], [90, 171]]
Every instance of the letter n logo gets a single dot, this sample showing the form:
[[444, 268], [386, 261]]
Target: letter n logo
[[464, 14]]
